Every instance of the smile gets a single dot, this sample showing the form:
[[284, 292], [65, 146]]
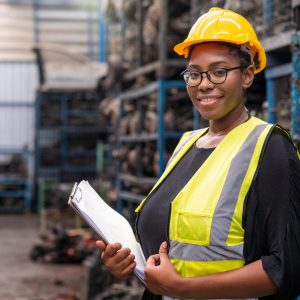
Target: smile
[[209, 99]]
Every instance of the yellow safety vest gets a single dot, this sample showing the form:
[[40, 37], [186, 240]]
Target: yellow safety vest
[[205, 229]]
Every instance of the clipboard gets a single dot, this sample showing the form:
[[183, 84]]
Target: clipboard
[[111, 226]]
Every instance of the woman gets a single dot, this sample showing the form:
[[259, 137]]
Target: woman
[[223, 220]]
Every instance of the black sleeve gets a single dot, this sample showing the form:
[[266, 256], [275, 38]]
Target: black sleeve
[[272, 226]]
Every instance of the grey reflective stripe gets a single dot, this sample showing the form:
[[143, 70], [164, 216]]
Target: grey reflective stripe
[[232, 186], [218, 249], [192, 134], [204, 253]]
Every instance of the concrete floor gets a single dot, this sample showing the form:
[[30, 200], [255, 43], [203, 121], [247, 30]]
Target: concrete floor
[[22, 279]]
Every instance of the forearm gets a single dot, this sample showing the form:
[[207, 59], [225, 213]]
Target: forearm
[[247, 282]]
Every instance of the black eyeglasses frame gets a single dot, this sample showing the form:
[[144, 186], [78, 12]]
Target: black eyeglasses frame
[[208, 76]]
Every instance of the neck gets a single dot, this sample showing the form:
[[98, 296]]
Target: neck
[[222, 127]]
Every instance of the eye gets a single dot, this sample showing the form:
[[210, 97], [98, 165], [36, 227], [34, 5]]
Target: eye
[[194, 75], [219, 72]]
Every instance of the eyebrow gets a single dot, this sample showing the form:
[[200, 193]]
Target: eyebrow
[[211, 66]]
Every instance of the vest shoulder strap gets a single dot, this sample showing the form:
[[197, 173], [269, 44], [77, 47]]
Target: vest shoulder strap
[[186, 137]]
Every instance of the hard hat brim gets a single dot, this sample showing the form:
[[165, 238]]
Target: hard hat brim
[[184, 49]]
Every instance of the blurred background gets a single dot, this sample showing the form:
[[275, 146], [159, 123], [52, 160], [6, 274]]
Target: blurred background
[[90, 89]]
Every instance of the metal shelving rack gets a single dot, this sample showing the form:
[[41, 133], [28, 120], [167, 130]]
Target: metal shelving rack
[[58, 138], [283, 53], [66, 152], [295, 71], [160, 86], [283, 62], [53, 140], [15, 187]]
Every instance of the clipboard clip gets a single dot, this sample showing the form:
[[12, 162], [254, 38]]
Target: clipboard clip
[[76, 193]]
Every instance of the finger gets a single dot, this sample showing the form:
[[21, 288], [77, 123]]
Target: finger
[[101, 245], [123, 268], [163, 247], [122, 255], [121, 260], [128, 270], [126, 262], [152, 260], [163, 252], [112, 249]]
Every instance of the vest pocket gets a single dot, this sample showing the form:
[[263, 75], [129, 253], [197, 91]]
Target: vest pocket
[[193, 227]]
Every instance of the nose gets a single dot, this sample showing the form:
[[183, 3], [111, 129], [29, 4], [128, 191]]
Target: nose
[[205, 83]]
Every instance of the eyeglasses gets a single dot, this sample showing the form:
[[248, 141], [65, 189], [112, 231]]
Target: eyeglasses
[[214, 75]]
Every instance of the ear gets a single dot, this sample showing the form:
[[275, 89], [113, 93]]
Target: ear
[[248, 77]]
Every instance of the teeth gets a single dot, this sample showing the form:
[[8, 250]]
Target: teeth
[[208, 100]]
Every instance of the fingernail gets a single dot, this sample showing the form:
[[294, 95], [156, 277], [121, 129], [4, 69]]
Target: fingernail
[[164, 244]]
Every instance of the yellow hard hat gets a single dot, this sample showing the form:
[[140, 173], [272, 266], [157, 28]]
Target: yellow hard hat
[[221, 25]]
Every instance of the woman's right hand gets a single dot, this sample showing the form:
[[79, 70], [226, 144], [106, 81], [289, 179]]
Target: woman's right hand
[[119, 261]]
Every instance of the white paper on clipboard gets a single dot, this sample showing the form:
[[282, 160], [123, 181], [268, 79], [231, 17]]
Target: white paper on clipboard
[[111, 226]]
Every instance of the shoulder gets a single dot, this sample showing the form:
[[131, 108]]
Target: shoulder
[[280, 144], [278, 157], [278, 139]]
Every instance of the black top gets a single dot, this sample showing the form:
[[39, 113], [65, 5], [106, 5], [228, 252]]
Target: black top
[[154, 217], [271, 212]]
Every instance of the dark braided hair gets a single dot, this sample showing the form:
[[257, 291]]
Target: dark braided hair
[[235, 50]]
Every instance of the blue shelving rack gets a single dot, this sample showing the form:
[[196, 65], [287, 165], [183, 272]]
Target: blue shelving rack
[[295, 124], [54, 160], [271, 74], [283, 61], [286, 64], [15, 186]]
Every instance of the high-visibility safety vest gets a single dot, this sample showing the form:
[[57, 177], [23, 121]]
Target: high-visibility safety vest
[[205, 227]]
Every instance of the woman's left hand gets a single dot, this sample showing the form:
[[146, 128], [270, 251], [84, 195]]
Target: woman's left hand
[[160, 276]]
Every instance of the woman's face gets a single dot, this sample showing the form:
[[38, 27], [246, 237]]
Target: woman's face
[[218, 101]]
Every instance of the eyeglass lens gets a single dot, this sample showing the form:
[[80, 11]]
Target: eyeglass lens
[[214, 76]]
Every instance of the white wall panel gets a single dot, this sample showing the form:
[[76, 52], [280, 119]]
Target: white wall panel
[[19, 81], [16, 127]]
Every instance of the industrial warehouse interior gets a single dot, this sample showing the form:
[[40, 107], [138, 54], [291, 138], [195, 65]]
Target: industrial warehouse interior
[[92, 90]]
